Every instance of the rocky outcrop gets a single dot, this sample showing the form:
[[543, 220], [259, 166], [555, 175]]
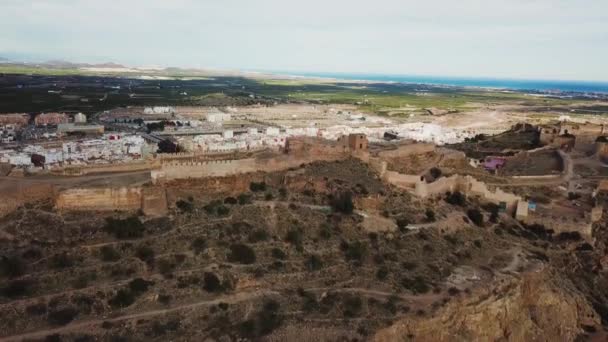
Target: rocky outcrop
[[532, 308]]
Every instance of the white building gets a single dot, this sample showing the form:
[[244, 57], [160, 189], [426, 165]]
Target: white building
[[80, 118], [218, 117]]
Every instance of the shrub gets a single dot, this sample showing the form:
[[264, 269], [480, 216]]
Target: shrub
[[430, 215], [258, 235], [264, 322], [417, 285], [475, 216], [353, 305], [61, 260], [16, 288], [223, 210], [211, 282], [295, 237], [277, 253], [268, 196], [382, 273], [342, 203], [241, 253], [37, 309], [145, 254], [314, 263], [184, 206], [109, 254], [283, 193], [255, 187], [402, 223], [244, 199], [62, 316], [455, 198], [569, 236], [198, 245], [11, 266], [122, 299], [435, 172], [356, 251], [230, 200], [211, 207], [166, 267], [128, 228], [138, 286]]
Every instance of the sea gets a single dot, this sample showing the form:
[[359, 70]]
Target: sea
[[497, 83]]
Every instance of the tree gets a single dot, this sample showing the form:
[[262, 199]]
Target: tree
[[342, 203], [211, 282], [475, 216], [430, 215], [241, 253], [435, 172], [168, 146]]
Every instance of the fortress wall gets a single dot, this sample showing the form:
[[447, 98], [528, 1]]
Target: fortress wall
[[121, 167], [221, 168], [479, 188], [24, 194], [400, 179], [562, 224], [407, 150], [103, 199]]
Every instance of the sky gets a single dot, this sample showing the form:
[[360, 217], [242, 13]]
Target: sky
[[533, 39]]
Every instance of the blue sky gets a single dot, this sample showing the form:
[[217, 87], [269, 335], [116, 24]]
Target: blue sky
[[548, 39]]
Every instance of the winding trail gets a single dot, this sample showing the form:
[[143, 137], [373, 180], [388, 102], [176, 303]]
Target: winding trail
[[231, 299]]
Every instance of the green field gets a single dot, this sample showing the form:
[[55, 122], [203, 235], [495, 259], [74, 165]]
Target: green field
[[30, 89]]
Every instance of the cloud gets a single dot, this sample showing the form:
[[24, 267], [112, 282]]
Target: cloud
[[518, 38]]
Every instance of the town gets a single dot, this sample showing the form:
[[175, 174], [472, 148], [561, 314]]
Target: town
[[339, 216]]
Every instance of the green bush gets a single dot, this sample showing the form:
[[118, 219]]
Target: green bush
[[258, 235], [211, 282], [11, 266], [128, 228], [430, 215], [138, 285], [295, 237], [61, 260], [17, 288], [342, 203], [255, 187], [456, 198], [242, 254], [356, 251], [184, 206], [198, 245], [353, 305], [145, 254], [417, 285], [109, 254], [122, 299], [230, 200], [314, 263], [264, 322], [475, 216], [244, 199], [277, 253], [62, 316]]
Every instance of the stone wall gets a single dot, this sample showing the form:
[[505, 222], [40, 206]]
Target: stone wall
[[407, 150], [102, 199], [24, 194], [106, 168]]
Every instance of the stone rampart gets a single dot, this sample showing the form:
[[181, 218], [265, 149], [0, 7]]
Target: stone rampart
[[102, 199]]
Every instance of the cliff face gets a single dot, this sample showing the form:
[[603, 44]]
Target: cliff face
[[530, 308]]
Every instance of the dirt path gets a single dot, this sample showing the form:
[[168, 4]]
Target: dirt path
[[87, 325]]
